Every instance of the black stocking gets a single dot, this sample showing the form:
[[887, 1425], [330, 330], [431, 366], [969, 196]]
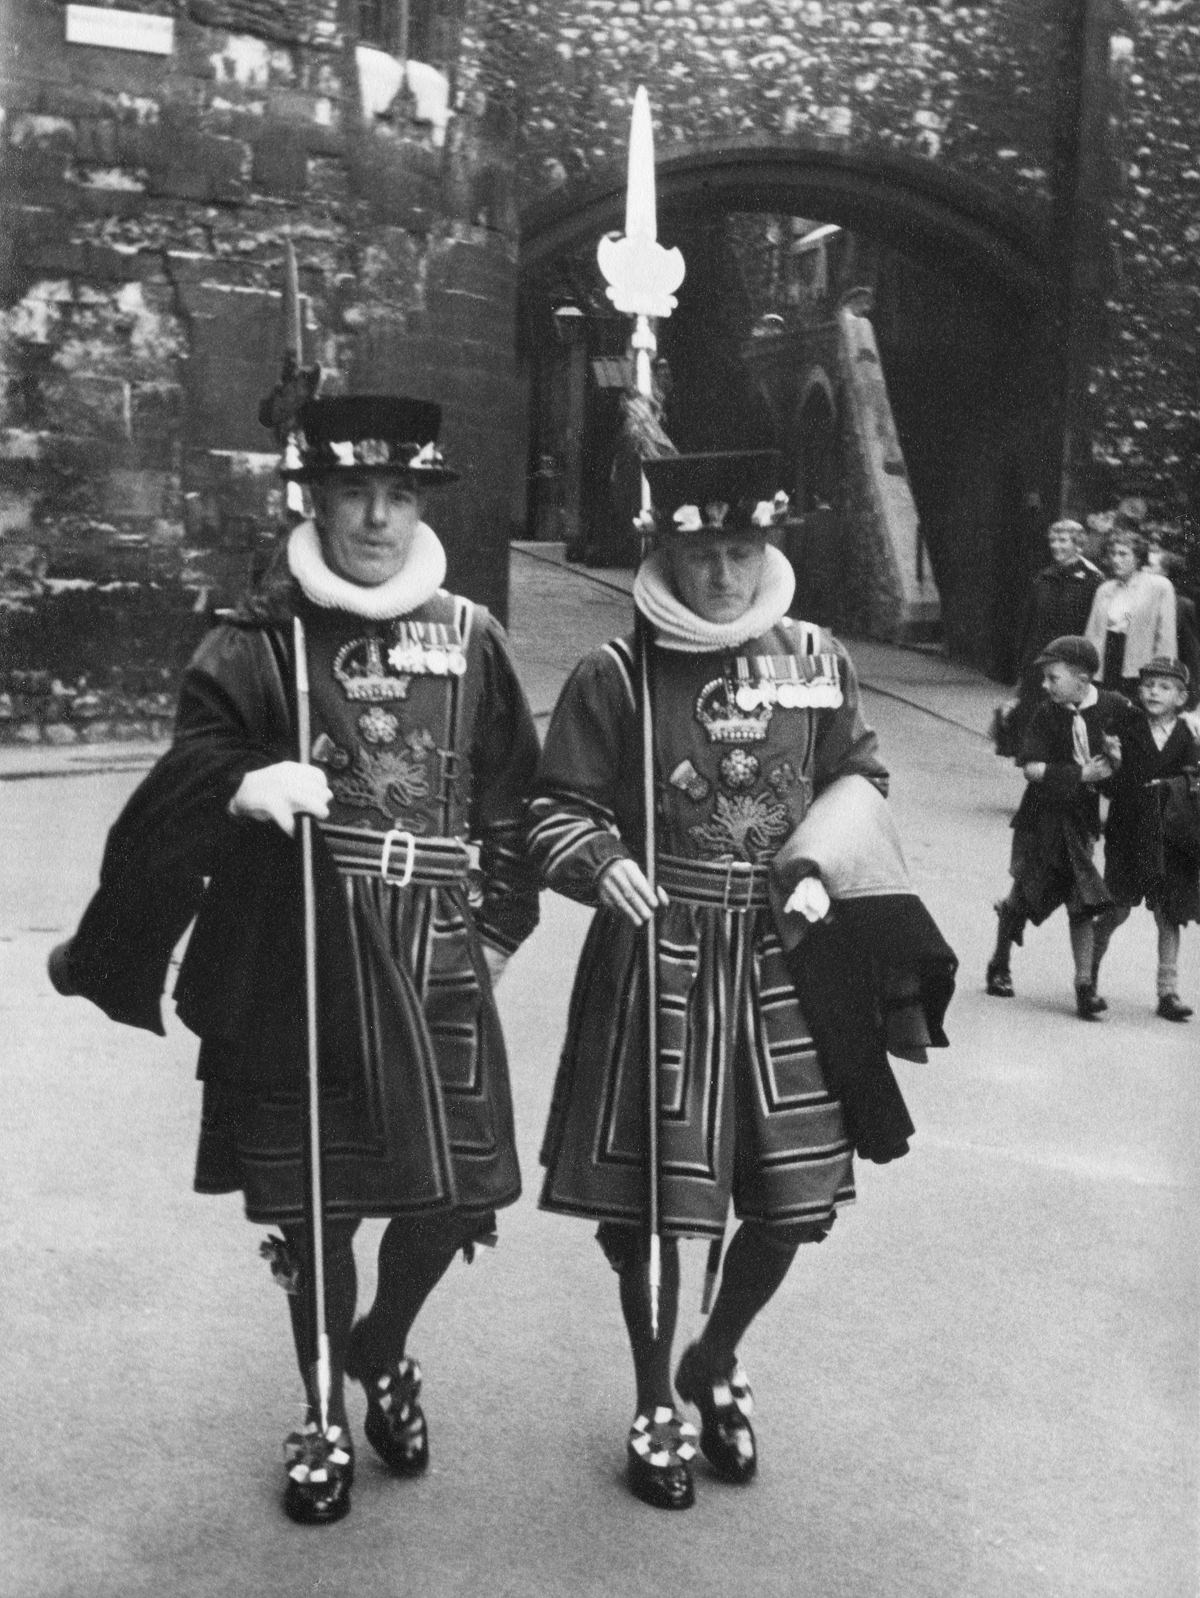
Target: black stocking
[[651, 1356], [414, 1255], [341, 1288], [755, 1266]]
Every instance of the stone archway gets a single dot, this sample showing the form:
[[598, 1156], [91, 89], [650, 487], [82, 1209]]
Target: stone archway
[[927, 211], [970, 325]]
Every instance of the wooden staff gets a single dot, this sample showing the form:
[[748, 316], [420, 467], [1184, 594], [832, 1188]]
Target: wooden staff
[[314, 1184], [642, 278], [653, 1222]]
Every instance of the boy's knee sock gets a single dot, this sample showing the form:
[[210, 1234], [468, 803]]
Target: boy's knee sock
[[1083, 946], [1168, 954], [1011, 924], [1105, 924]]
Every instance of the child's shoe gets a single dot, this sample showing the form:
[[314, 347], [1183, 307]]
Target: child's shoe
[[1172, 1008], [1087, 1005], [999, 980]]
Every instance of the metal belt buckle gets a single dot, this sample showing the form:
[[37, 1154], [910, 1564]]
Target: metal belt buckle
[[398, 835], [740, 872], [730, 866]]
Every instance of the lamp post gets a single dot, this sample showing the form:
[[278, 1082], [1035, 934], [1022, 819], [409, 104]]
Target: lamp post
[[642, 278]]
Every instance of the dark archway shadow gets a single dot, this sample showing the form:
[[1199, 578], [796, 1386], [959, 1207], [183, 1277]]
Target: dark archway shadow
[[914, 205]]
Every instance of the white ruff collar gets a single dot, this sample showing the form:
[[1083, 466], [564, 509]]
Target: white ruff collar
[[422, 574], [679, 628]]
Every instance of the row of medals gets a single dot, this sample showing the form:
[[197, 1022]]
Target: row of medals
[[789, 694], [427, 660]]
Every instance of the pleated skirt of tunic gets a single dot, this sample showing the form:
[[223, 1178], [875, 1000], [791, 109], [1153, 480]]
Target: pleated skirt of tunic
[[424, 1125], [744, 1111]]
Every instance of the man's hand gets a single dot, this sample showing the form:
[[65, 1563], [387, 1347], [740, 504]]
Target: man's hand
[[623, 887], [809, 899], [282, 792], [1112, 749]]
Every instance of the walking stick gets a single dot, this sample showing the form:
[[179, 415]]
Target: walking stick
[[314, 1186], [642, 277]]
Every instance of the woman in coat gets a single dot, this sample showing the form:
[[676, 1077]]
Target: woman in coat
[[1132, 619]]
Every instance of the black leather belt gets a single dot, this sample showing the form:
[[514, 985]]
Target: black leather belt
[[397, 856]]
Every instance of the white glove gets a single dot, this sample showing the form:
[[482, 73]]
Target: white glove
[[809, 899], [495, 959], [282, 792]]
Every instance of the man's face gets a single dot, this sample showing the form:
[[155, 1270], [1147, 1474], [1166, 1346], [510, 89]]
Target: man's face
[[1162, 696], [1062, 546], [716, 578], [366, 524], [1064, 684]]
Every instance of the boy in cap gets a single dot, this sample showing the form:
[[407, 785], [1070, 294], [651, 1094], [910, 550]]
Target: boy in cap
[[1071, 747], [1152, 835], [753, 714], [422, 743]]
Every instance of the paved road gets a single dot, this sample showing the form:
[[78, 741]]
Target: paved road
[[984, 1384]]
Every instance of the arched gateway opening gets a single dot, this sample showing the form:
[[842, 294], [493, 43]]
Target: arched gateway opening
[[963, 298]]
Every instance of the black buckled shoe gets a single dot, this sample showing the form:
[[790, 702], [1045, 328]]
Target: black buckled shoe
[[320, 1473], [1172, 1008], [999, 980], [725, 1404], [395, 1423], [661, 1449]]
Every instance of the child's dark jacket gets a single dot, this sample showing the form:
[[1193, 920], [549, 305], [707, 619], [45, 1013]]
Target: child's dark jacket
[[1152, 836], [1058, 820]]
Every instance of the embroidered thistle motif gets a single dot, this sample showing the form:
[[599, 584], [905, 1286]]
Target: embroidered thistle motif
[[326, 753], [688, 780], [782, 777], [796, 791], [739, 769], [378, 726], [744, 826], [389, 780]]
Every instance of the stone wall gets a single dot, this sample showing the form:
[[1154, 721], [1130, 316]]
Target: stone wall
[[979, 88], [146, 202], [990, 93], [1146, 418]]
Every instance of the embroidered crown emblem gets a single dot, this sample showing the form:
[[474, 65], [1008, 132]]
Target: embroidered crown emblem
[[359, 667], [725, 721]]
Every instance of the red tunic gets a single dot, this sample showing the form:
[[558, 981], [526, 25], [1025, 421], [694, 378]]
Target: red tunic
[[745, 1110]]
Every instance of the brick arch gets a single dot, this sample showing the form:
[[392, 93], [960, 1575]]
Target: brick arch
[[908, 202]]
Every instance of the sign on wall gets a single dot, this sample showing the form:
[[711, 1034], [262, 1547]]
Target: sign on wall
[[120, 30]]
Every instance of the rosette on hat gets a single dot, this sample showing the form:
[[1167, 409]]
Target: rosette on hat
[[367, 433], [719, 492]]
